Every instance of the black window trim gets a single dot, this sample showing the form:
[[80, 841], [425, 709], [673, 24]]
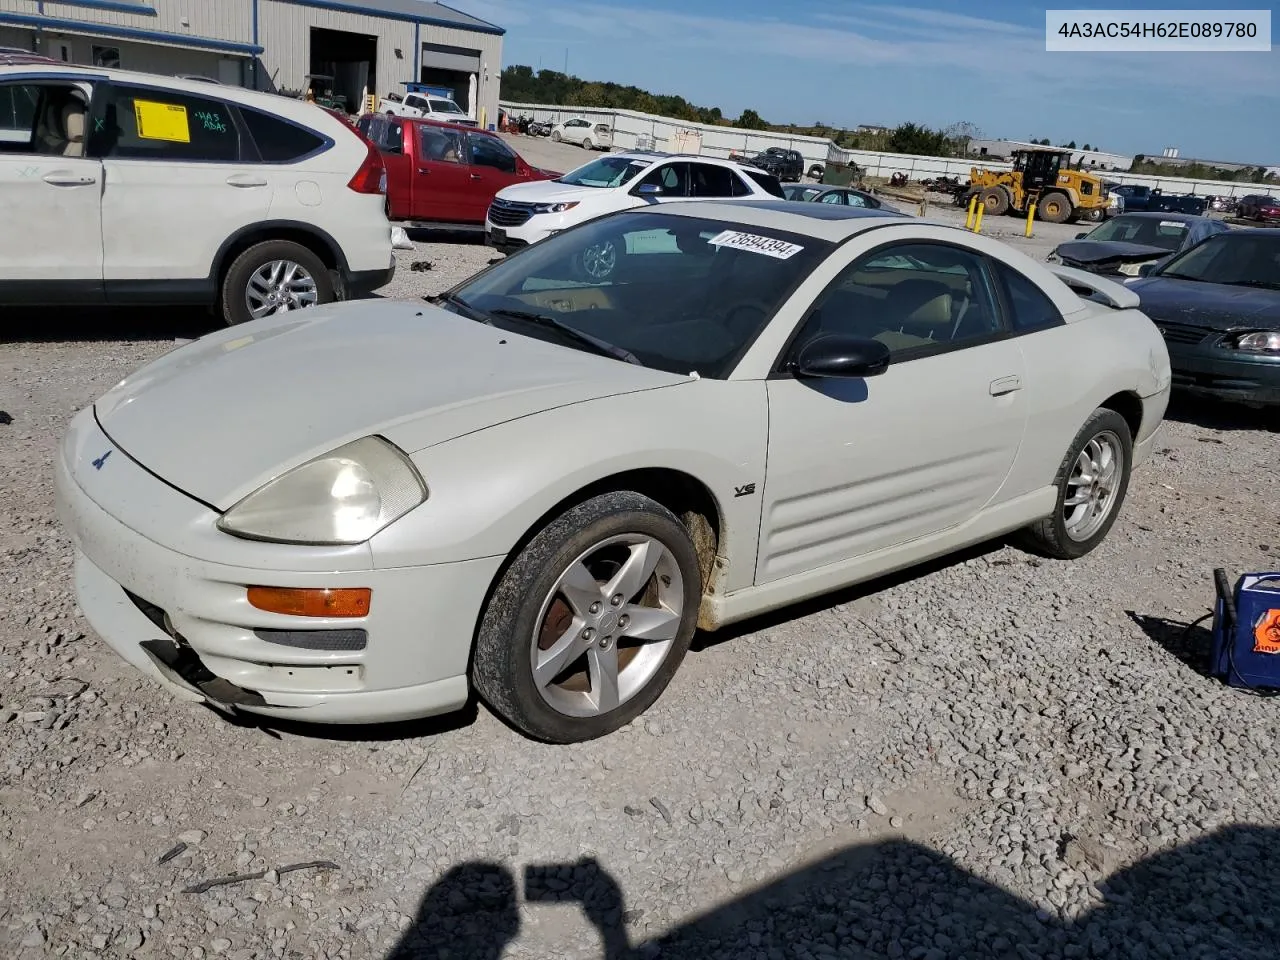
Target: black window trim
[[779, 370]]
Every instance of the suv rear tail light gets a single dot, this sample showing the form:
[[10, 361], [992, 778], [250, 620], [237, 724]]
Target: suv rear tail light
[[372, 175]]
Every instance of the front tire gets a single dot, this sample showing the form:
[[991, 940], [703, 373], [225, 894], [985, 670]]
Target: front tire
[[1092, 482], [273, 277], [555, 135], [1055, 208], [591, 621]]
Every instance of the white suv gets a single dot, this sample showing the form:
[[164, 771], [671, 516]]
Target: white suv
[[128, 188], [525, 213]]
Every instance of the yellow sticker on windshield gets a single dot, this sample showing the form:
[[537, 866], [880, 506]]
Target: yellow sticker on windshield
[[161, 121]]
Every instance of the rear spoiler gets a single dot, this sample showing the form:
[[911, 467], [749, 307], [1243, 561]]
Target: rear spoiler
[[1085, 284]]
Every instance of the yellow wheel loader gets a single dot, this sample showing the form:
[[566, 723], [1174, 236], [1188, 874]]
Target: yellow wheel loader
[[1042, 177]]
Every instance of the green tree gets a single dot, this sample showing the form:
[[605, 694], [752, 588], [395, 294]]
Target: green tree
[[912, 138], [750, 120], [592, 95]]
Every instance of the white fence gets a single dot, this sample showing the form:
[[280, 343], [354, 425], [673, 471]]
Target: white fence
[[634, 131]]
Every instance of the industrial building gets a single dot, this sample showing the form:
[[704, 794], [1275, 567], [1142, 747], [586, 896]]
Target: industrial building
[[1086, 159], [349, 49]]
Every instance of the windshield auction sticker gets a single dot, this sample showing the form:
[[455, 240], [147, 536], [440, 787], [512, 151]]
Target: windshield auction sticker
[[778, 249]]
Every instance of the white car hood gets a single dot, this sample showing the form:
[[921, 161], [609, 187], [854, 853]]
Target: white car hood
[[223, 415], [549, 191]]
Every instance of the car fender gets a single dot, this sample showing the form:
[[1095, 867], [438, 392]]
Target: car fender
[[491, 488]]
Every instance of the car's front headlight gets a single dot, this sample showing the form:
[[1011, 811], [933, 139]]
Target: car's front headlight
[[1261, 342], [554, 207], [1053, 258], [343, 497]]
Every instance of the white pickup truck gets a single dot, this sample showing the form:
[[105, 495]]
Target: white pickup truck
[[425, 105]]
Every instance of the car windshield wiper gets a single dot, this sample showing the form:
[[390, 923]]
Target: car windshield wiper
[[1183, 276], [466, 309], [572, 333]]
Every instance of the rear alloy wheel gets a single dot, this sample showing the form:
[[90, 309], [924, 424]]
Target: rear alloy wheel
[[1092, 482], [1055, 208], [277, 276], [587, 144], [591, 621]]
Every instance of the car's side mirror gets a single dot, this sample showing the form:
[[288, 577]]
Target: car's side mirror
[[648, 190], [1081, 236], [838, 356], [1145, 269]]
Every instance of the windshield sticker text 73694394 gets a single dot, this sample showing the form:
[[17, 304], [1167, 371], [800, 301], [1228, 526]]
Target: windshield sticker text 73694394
[[768, 246]]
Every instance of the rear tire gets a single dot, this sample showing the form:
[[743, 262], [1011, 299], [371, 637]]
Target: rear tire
[[816, 171], [1094, 472], [247, 279], [996, 201], [595, 676], [1055, 208], [587, 144], [555, 136]]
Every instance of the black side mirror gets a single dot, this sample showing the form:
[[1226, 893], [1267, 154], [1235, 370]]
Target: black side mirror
[[648, 190], [838, 356], [1081, 236]]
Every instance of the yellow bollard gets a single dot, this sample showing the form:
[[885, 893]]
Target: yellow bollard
[[973, 204], [977, 224], [1031, 215]]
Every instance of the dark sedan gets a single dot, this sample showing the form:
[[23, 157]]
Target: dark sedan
[[1123, 245], [1218, 307], [844, 196]]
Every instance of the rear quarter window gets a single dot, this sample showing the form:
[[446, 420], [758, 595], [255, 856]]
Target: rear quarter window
[[767, 183], [277, 140]]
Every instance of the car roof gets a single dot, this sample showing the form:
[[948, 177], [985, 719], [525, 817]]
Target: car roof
[[1157, 215], [654, 156], [445, 124], [822, 221], [299, 110]]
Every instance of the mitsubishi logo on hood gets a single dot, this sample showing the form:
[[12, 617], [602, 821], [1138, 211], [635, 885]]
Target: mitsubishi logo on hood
[[97, 464]]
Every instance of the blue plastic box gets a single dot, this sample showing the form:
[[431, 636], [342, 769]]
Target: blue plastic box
[[1246, 652]]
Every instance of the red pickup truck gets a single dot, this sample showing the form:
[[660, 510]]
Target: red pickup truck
[[442, 173]]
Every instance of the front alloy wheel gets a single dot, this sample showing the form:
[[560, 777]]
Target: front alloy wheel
[[590, 621]]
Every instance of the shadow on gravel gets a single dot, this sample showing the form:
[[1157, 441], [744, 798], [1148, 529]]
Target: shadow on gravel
[[1216, 897], [1218, 415], [1192, 643], [705, 641], [65, 324]]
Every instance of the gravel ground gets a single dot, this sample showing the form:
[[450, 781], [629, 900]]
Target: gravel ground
[[996, 756]]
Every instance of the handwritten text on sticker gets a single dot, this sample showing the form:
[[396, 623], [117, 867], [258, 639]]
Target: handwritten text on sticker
[[779, 249]]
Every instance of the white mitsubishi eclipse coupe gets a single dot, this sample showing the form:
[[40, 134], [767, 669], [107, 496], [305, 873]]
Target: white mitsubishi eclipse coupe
[[539, 486]]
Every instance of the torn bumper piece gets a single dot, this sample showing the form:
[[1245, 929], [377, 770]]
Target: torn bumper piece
[[182, 666]]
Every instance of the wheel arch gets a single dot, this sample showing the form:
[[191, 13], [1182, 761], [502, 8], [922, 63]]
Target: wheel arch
[[307, 235], [1128, 404]]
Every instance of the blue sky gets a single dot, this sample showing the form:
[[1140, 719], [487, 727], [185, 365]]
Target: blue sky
[[928, 61]]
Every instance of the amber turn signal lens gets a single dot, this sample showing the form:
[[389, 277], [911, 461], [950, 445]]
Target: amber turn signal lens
[[312, 601]]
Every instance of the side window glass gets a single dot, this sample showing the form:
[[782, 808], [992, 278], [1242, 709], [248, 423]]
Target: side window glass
[[1031, 307], [835, 198], [671, 177], [444, 146], [917, 299], [491, 152], [146, 123], [19, 110], [739, 186], [709, 181], [279, 141]]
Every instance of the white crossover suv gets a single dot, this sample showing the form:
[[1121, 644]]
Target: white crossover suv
[[525, 213], [127, 188]]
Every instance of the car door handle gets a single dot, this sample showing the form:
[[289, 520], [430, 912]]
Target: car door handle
[[1005, 385], [424, 170], [245, 180], [476, 176], [64, 179]]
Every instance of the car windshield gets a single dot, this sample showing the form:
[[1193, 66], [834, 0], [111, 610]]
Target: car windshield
[[680, 294], [1245, 259], [445, 106], [1147, 231], [610, 171]]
